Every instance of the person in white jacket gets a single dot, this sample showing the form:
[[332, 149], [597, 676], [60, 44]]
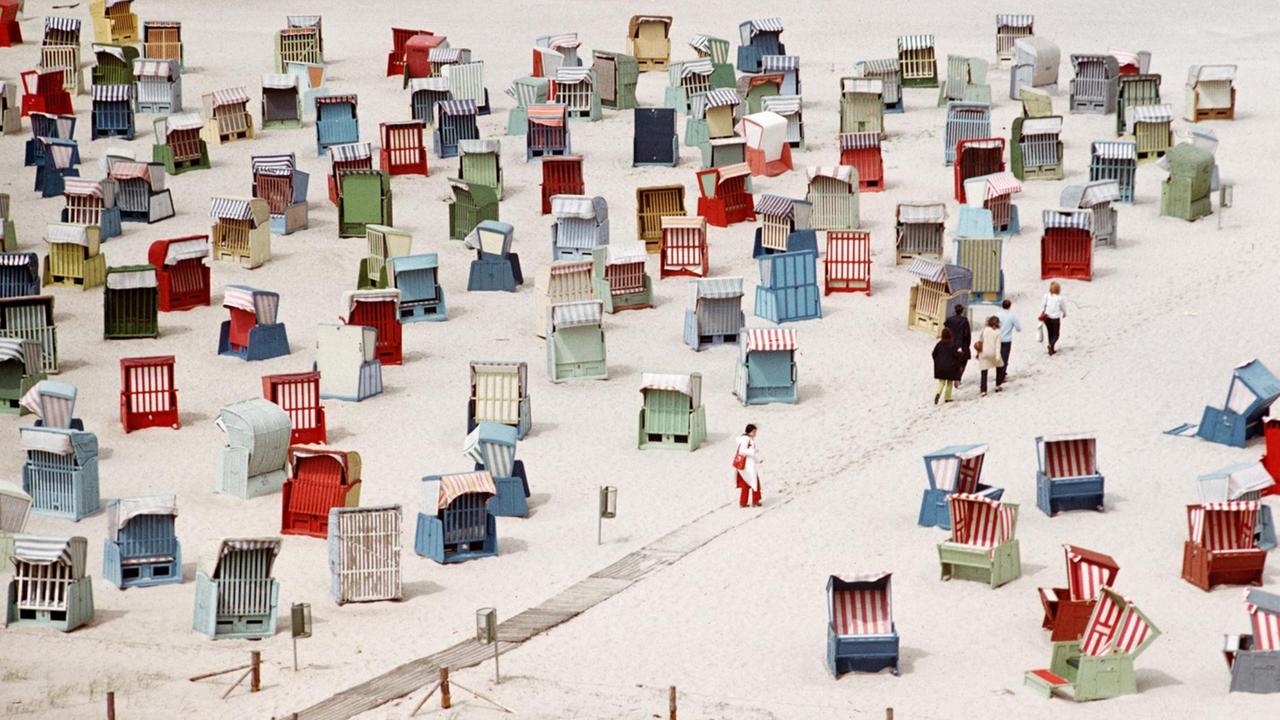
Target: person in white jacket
[[1051, 314], [748, 476]]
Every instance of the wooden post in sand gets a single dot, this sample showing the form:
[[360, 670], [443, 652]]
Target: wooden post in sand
[[255, 671], [671, 703], [111, 705], [888, 713], [445, 700]]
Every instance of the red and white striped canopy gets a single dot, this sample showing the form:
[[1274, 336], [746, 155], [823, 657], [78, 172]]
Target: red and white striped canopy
[[860, 604], [230, 96], [981, 522], [1223, 525], [1115, 627], [1264, 613], [769, 340], [1088, 572], [1064, 456], [459, 484], [548, 115]]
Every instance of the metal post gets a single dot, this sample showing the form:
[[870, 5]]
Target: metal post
[[497, 677], [295, 653], [600, 516]]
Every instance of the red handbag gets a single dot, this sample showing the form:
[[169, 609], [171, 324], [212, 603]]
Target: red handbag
[[739, 461]]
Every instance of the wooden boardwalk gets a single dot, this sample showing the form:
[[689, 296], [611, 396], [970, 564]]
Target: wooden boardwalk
[[565, 605]]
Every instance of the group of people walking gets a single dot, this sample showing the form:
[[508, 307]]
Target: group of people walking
[[994, 343]]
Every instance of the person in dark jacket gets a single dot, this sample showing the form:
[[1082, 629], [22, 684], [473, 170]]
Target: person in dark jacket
[[958, 324], [948, 362]]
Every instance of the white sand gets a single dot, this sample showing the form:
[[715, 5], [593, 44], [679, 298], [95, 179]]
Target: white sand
[[738, 625]]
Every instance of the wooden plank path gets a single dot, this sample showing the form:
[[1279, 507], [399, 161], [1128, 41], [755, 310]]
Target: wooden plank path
[[512, 632]]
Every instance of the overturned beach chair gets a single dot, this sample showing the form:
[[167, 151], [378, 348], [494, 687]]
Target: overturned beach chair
[[493, 448], [1067, 610]]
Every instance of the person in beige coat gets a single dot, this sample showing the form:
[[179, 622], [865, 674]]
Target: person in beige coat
[[987, 348]]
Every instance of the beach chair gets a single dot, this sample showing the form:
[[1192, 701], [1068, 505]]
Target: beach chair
[[141, 548], [403, 152], [466, 82], [717, 51], [1117, 161], [182, 277], [113, 64], [384, 243], [767, 151], [861, 635], [499, 393], [725, 195], [10, 111], [8, 239], [1068, 478], [1098, 665], [1093, 89], [311, 85], [347, 361], [619, 276], [424, 93], [74, 259], [1035, 65], [364, 198], [43, 92], [19, 372], [15, 508], [396, 58], [49, 586], [493, 448], [785, 225], [162, 40], [179, 145], [352, 156], [53, 404], [575, 342], [766, 367], [685, 80], [59, 48], [1067, 610], [455, 121], [495, 268], [19, 274], [252, 332], [1066, 247], [112, 112], [560, 176], [982, 546], [759, 37], [278, 181], [1252, 391], [861, 105], [919, 231], [1221, 546], [1152, 130], [148, 393], [712, 116], [45, 127], [951, 470], [889, 72], [847, 264], [91, 202], [236, 596], [30, 318], [1035, 148], [1010, 29], [417, 55], [714, 315], [672, 415], [281, 101], [1095, 197], [1242, 482], [252, 462], [1253, 658], [298, 394], [965, 121], [788, 287], [966, 81], [525, 91], [129, 303], [337, 122], [140, 191], [378, 309], [241, 230], [994, 193], [654, 138], [10, 30], [320, 478], [861, 151], [480, 163], [789, 107], [978, 250], [461, 527], [364, 554], [1185, 193], [1210, 93], [1271, 455], [653, 203], [471, 205], [298, 44], [786, 66], [421, 295], [58, 162], [563, 281], [649, 41], [226, 114], [114, 20], [617, 75], [917, 60], [547, 132], [933, 299], [575, 88], [833, 196], [1133, 92], [61, 471]]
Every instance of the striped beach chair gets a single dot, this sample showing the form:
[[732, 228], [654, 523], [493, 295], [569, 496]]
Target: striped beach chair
[[49, 585], [236, 596], [493, 448], [141, 548], [1066, 247], [714, 315], [1221, 546], [766, 367], [459, 526], [861, 635], [847, 264], [951, 470], [725, 195], [982, 546], [499, 392], [1252, 657], [1099, 665], [684, 247], [1067, 610], [672, 415], [1243, 481], [1068, 478]]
